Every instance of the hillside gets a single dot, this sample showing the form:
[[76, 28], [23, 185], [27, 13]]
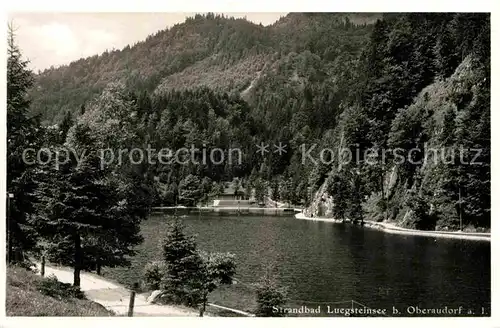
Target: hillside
[[27, 296], [215, 51]]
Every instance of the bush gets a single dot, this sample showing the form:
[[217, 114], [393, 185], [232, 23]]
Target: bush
[[153, 274], [23, 298], [27, 264], [54, 288], [181, 295]]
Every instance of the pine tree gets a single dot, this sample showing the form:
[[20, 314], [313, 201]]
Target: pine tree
[[445, 53], [339, 190], [182, 262], [275, 190], [260, 190], [248, 188], [69, 199], [22, 132], [91, 215], [190, 190], [64, 127], [269, 297], [286, 191]]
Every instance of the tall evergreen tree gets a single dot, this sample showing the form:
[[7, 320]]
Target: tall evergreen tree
[[22, 132], [78, 203], [64, 127], [182, 262]]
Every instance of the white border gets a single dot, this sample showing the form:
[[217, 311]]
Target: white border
[[260, 6], [252, 6]]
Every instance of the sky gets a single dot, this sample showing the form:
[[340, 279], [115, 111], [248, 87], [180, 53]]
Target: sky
[[56, 39]]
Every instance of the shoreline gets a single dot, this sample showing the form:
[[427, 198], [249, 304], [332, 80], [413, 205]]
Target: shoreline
[[393, 229]]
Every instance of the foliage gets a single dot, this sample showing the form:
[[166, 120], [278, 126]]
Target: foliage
[[153, 274], [260, 190], [287, 191], [24, 299], [187, 275], [190, 191], [215, 269], [339, 189], [269, 297], [88, 208], [275, 190], [92, 215], [181, 261], [223, 53], [54, 288], [22, 131], [420, 74]]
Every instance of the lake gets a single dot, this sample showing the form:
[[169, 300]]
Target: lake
[[327, 266]]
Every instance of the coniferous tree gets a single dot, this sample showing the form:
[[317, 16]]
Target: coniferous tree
[[260, 190], [181, 260], [269, 297], [339, 190], [275, 190], [83, 209], [64, 127], [190, 190], [23, 132]]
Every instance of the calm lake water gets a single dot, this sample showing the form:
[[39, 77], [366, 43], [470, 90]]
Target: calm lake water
[[324, 264]]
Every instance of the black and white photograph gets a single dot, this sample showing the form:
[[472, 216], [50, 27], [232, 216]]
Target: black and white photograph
[[248, 164]]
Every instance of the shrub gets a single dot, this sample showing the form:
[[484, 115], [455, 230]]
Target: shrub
[[23, 298], [153, 274], [54, 288]]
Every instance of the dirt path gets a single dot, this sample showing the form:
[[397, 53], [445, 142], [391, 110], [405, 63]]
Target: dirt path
[[115, 297]]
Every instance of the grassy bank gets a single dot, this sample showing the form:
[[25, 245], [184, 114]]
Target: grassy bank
[[26, 296]]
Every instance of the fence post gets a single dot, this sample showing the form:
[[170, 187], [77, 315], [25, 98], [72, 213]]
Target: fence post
[[42, 267], [132, 299]]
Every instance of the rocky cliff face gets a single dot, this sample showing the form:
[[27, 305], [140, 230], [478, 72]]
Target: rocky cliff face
[[321, 205], [437, 119]]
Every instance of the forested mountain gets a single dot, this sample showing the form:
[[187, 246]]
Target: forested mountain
[[219, 52], [354, 82]]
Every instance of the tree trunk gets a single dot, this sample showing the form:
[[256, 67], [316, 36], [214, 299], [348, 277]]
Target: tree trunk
[[203, 307], [42, 266], [78, 260], [98, 268]]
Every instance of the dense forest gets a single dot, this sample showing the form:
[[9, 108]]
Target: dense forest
[[366, 83]]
